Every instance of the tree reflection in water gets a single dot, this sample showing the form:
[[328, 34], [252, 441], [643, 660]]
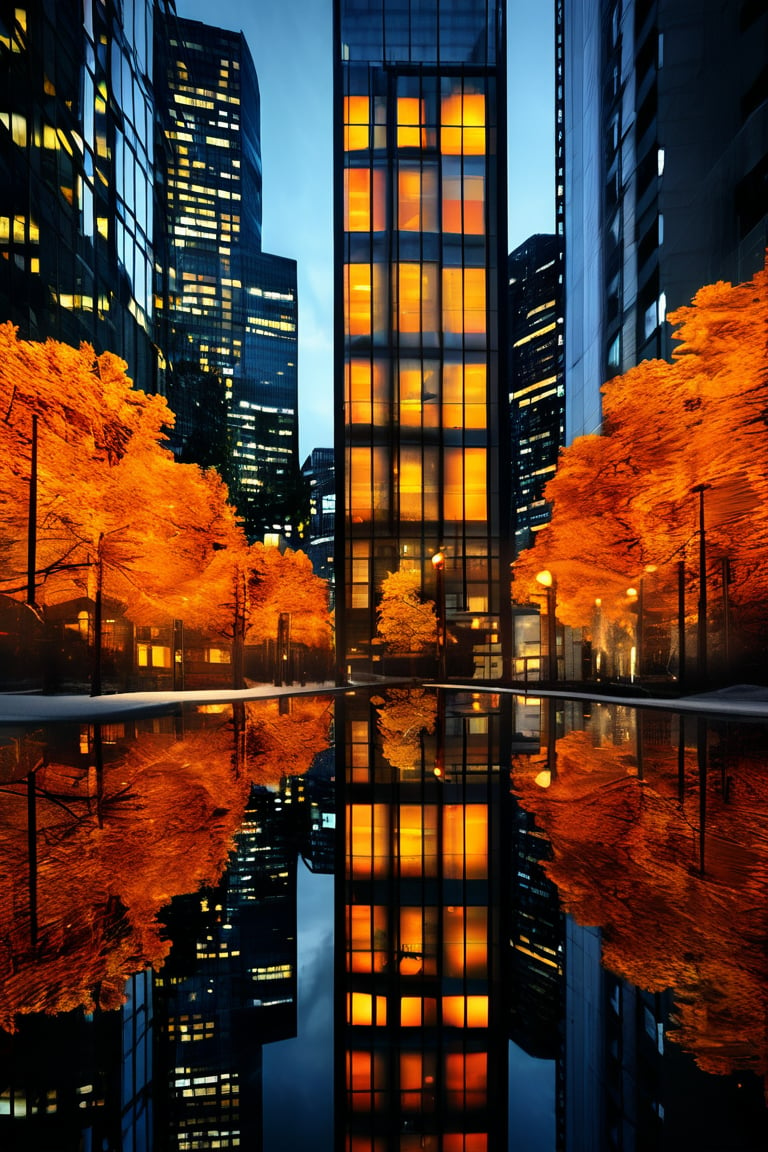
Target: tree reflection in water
[[668, 855]]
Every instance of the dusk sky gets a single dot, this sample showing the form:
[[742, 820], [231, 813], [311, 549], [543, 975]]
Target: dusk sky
[[292, 48]]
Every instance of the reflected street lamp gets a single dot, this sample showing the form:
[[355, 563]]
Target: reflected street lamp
[[438, 563], [548, 583]]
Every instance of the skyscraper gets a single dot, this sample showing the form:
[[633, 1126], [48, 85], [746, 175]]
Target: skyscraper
[[420, 245], [228, 310], [77, 191], [665, 111], [536, 378]]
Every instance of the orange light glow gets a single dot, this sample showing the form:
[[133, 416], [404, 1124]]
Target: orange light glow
[[364, 200], [366, 937], [367, 395], [464, 391], [466, 1079], [462, 117], [416, 297], [465, 944], [464, 301], [417, 199], [363, 1009], [464, 205], [366, 1072], [368, 482], [417, 1010], [357, 117], [465, 484], [368, 839], [358, 299], [410, 121], [465, 1011], [465, 1142], [465, 841]]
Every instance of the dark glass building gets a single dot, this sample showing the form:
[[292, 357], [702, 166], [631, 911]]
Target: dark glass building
[[536, 375], [77, 194], [319, 472], [420, 247], [228, 310], [664, 166]]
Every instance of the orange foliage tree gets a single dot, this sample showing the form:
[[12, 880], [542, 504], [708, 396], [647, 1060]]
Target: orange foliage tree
[[405, 621], [624, 502], [404, 718]]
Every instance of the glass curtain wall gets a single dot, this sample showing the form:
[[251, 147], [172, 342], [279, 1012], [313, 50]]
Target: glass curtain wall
[[420, 128]]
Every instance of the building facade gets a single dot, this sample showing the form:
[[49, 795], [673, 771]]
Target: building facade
[[228, 310], [319, 473], [420, 244], [664, 165], [537, 379], [77, 187]]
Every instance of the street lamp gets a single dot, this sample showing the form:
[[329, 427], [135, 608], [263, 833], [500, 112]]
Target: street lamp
[[438, 563], [548, 583]]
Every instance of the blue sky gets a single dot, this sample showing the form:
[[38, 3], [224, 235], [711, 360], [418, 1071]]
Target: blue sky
[[292, 48]]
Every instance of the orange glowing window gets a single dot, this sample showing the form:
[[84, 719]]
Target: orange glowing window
[[357, 119], [462, 118], [417, 199], [367, 948], [410, 122], [368, 484], [416, 297], [465, 1011], [417, 1081], [418, 395], [464, 389], [416, 1011], [410, 487], [464, 205], [367, 396], [364, 200], [418, 941], [368, 839], [363, 1009], [464, 308], [465, 841], [466, 1079], [464, 484], [465, 943], [417, 838], [364, 1144], [366, 1076], [358, 299], [465, 1142]]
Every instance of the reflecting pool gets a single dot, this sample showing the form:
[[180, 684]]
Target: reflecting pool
[[385, 919]]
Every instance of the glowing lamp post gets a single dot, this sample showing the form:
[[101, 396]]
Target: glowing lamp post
[[547, 581], [438, 563]]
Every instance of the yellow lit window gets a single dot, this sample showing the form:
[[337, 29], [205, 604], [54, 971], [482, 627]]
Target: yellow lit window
[[417, 1081], [417, 199], [464, 1142], [366, 1077], [416, 297], [418, 395], [358, 299], [368, 839], [366, 938], [417, 483], [465, 1011], [416, 1011], [363, 1009], [465, 841], [465, 943], [368, 483], [357, 116], [464, 389], [367, 392], [418, 936], [466, 1079], [465, 481], [464, 308], [417, 834], [410, 122], [462, 118], [364, 200], [464, 205]]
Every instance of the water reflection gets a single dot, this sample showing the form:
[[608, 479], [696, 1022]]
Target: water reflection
[[549, 929]]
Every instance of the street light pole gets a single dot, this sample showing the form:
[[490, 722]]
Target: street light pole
[[438, 563], [547, 581]]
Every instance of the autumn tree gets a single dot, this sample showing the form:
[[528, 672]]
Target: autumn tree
[[405, 621], [625, 502], [405, 717]]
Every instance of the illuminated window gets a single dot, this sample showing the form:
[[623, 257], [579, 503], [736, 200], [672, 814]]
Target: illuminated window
[[418, 941], [356, 122], [367, 394], [462, 118], [464, 484], [465, 841], [410, 122], [363, 1009], [465, 1011], [417, 1081], [366, 1077], [417, 199], [464, 308], [465, 944], [418, 395], [367, 938], [466, 1079], [464, 204], [361, 573], [417, 840], [465, 1142], [368, 496], [368, 839], [417, 1011], [417, 297], [364, 200], [418, 483], [357, 299], [464, 392]]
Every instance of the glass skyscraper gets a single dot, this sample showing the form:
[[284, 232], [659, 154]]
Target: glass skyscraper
[[420, 242], [229, 311]]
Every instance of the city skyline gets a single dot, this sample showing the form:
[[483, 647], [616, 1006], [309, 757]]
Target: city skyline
[[292, 51]]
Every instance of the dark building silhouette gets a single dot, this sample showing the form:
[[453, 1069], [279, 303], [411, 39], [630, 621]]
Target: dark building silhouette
[[318, 471], [420, 109], [662, 163], [228, 311], [536, 379], [77, 183]]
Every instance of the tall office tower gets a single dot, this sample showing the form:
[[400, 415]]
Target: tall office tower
[[536, 378], [420, 108], [319, 472], [665, 104], [228, 312], [76, 176]]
